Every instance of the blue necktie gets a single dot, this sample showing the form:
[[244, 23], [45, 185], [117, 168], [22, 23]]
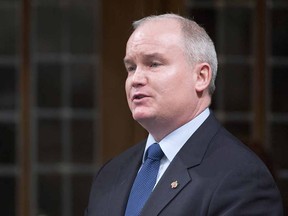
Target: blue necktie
[[144, 181]]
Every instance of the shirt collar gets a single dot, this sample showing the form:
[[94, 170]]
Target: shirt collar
[[173, 142]]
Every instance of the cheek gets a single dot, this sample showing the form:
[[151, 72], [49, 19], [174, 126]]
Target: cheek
[[127, 87], [127, 90], [179, 89]]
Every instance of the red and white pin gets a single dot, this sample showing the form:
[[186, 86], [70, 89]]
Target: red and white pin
[[174, 184]]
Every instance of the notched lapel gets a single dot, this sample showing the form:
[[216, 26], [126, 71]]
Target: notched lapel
[[188, 157], [123, 184], [164, 192]]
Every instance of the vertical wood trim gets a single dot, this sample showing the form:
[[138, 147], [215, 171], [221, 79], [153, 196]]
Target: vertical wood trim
[[24, 151], [116, 121], [118, 129], [259, 91]]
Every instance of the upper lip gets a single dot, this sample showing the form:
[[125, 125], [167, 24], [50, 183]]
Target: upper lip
[[138, 96]]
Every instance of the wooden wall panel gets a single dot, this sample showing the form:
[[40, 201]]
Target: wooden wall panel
[[24, 187], [119, 130]]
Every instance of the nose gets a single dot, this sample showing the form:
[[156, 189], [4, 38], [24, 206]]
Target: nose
[[139, 77]]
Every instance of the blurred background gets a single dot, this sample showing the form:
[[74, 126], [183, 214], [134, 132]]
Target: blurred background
[[63, 109]]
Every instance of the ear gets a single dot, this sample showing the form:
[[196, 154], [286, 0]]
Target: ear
[[204, 76]]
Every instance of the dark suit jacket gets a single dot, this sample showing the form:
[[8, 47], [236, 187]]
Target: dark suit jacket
[[216, 175]]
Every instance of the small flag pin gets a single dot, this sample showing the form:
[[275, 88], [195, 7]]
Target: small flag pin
[[174, 184]]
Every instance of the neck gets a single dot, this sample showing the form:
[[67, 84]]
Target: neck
[[160, 129]]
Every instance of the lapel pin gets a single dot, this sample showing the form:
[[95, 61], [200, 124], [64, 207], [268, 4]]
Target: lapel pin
[[174, 184]]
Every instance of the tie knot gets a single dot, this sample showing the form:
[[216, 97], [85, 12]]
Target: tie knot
[[154, 152]]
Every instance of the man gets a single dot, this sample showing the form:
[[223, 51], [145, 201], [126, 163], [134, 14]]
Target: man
[[203, 170]]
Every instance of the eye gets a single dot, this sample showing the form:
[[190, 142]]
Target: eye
[[130, 68], [155, 64]]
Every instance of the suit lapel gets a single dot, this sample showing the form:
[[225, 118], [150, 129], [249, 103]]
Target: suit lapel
[[189, 156], [176, 174], [126, 175]]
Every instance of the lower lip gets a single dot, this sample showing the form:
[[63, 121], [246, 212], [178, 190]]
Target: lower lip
[[139, 100]]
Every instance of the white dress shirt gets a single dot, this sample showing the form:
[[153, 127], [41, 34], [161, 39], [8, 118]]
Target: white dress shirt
[[173, 142]]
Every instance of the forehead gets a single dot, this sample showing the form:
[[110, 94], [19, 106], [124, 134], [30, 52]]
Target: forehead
[[155, 36]]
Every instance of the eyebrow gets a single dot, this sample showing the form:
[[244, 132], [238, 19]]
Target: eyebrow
[[128, 60]]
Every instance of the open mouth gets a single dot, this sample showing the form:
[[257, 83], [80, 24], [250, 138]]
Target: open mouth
[[138, 97]]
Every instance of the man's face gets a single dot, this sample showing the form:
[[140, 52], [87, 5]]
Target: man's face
[[160, 82]]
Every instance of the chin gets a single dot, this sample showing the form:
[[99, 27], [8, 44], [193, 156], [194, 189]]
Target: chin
[[141, 117]]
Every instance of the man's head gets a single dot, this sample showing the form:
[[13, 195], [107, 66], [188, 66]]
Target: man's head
[[169, 67], [196, 42]]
